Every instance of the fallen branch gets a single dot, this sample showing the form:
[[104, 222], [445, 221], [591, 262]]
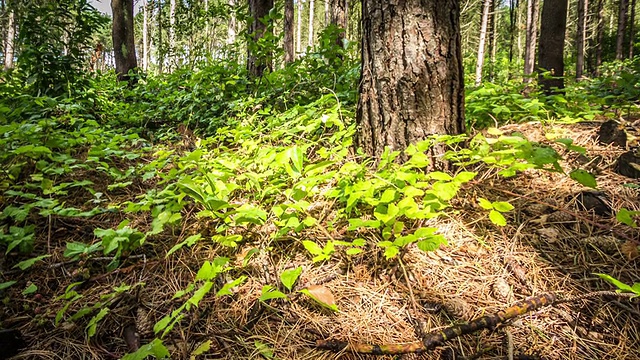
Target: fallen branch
[[437, 338]]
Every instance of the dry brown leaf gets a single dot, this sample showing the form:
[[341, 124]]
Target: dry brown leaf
[[323, 294], [630, 250]]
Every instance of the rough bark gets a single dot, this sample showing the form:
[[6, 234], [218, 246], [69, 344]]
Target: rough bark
[[599, 36], [299, 33], [482, 40], [124, 46], [145, 36], [289, 54], [9, 40], [622, 26], [411, 76], [327, 13], [493, 33], [339, 18], [581, 33], [531, 39], [172, 31], [513, 8], [258, 10], [311, 17], [231, 29], [160, 45], [632, 20], [551, 52]]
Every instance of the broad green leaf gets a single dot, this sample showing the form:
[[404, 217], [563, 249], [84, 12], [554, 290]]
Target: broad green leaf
[[226, 289], [497, 218], [93, 323], [617, 283], [485, 204], [32, 288], [322, 295], [199, 294], [7, 284], [626, 217], [391, 252], [289, 277], [201, 349], [502, 206], [154, 348], [439, 176], [312, 247], [268, 293], [25, 264], [388, 196], [584, 177], [446, 190], [190, 241]]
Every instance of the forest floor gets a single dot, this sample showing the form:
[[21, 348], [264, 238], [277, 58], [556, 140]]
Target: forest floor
[[554, 242]]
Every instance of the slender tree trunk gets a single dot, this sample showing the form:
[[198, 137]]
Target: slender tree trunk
[[289, 54], [622, 26], [599, 36], [632, 20], [551, 52], [581, 33], [520, 28], [494, 17], [411, 83], [145, 37], [299, 33], [172, 31], [311, 18], [161, 51], [124, 44], [531, 39], [481, 42], [9, 40], [513, 7], [339, 18], [231, 29], [257, 63]]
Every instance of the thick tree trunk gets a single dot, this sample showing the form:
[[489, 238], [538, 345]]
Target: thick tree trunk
[[339, 18], [9, 40], [632, 20], [551, 51], [289, 54], [231, 29], [145, 36], [411, 76], [531, 39], [580, 37], [622, 27], [327, 13], [481, 41], [311, 17], [299, 33], [257, 64], [124, 45]]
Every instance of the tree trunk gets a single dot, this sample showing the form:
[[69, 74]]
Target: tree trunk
[[172, 31], [327, 13], [412, 84], [580, 37], [599, 37], [493, 46], [339, 18], [9, 40], [124, 45], [632, 19], [481, 41], [231, 29], [531, 39], [289, 54], [160, 45], [299, 33], [145, 37], [311, 17], [551, 51], [622, 26], [258, 63], [513, 8]]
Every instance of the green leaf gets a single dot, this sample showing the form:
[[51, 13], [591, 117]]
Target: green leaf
[[154, 348], [388, 196], [32, 288], [312, 247], [23, 265], [439, 176], [199, 294], [584, 177], [201, 349], [93, 323], [617, 283], [6, 284], [226, 289], [626, 217], [289, 277], [391, 251], [446, 190], [497, 218], [190, 241], [502, 206], [485, 204], [263, 349], [268, 293]]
